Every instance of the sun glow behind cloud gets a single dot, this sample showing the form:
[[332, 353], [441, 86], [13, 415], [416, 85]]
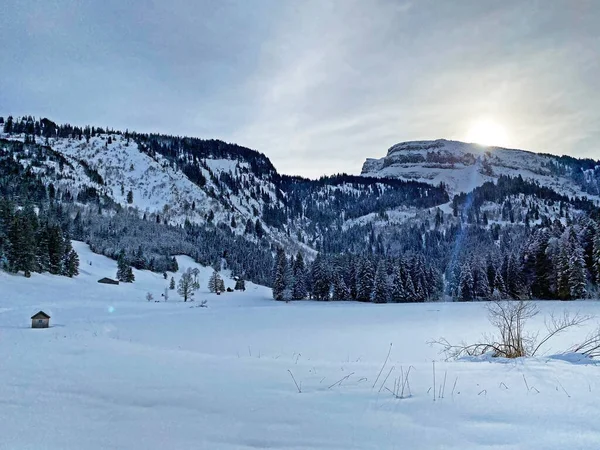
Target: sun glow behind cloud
[[487, 132]]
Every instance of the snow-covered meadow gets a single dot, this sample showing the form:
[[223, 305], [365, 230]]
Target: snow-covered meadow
[[117, 372]]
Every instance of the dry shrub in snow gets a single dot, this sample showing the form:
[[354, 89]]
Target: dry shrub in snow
[[512, 340]]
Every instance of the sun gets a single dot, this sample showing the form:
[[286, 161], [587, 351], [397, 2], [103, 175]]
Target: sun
[[487, 132]]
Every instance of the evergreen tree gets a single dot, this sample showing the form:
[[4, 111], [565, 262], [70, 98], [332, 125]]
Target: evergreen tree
[[8, 125], [172, 283], [596, 256], [398, 287], [365, 281], [540, 265], [279, 274], [514, 279], [411, 291], [380, 285], [499, 291], [577, 270], [72, 264], [124, 270], [42, 250], [55, 249], [129, 276], [321, 284], [289, 280], [340, 290], [258, 229], [481, 287], [249, 227], [299, 291], [465, 287], [214, 282]]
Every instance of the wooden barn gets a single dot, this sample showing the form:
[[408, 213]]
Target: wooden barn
[[40, 320], [107, 281]]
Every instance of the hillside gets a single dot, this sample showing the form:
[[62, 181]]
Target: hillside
[[431, 220], [463, 167]]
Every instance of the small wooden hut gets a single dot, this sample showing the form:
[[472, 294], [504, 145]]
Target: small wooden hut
[[40, 320]]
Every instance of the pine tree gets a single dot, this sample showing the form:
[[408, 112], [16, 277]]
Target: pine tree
[[121, 266], [124, 270], [569, 265], [340, 290], [67, 256], [577, 271], [514, 279], [42, 250], [299, 291], [465, 286], [55, 249], [481, 287], [352, 276], [8, 125], [214, 282], [129, 276], [365, 281], [279, 274], [172, 283], [130, 197], [540, 265], [499, 290], [72, 264], [398, 288], [380, 285], [411, 292], [258, 229], [321, 283], [596, 256], [249, 227]]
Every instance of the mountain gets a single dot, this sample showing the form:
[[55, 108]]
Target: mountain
[[176, 180], [462, 167], [440, 210]]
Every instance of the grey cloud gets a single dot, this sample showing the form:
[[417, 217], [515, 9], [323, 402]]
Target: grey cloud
[[316, 85]]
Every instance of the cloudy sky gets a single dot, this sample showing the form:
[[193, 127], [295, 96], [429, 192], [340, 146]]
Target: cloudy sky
[[317, 86]]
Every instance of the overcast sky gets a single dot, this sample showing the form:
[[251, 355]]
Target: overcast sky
[[318, 86]]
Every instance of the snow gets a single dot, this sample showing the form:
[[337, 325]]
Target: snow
[[465, 177], [115, 371], [157, 187], [224, 165]]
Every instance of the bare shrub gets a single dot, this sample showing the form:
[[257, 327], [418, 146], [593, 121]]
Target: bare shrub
[[512, 340], [590, 347]]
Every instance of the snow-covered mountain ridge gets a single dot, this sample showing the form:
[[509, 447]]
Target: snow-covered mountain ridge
[[226, 188], [462, 167]]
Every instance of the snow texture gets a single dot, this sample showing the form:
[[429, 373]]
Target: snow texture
[[116, 371]]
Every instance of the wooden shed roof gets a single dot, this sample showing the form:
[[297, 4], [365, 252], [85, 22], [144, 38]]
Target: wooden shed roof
[[40, 315]]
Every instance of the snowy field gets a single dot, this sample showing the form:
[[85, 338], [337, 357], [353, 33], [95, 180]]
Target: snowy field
[[117, 372]]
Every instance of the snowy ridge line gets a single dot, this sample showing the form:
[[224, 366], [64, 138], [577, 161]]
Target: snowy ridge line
[[462, 166]]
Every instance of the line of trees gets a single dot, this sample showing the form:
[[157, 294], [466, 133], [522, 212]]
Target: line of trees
[[350, 277], [29, 243]]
